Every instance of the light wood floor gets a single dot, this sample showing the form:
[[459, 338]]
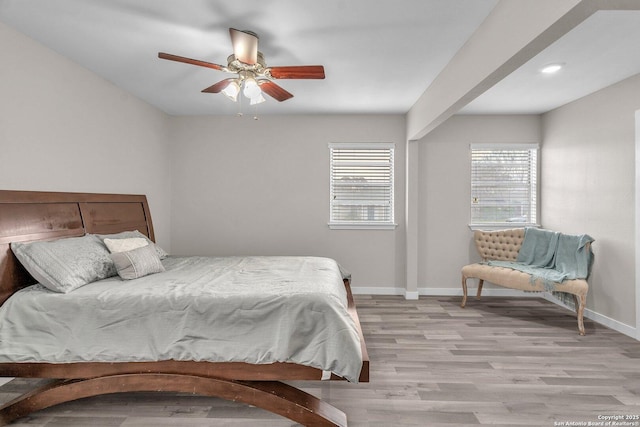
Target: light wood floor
[[500, 362]]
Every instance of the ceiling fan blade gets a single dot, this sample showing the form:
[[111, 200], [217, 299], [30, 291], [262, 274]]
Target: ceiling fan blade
[[218, 87], [171, 57], [298, 72], [245, 45], [274, 91]]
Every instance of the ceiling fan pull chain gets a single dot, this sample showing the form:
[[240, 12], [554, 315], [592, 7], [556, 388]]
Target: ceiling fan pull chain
[[239, 113]]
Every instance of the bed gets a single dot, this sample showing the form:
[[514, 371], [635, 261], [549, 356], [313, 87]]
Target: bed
[[255, 379]]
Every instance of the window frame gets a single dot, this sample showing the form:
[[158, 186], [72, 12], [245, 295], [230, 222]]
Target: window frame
[[534, 196], [338, 224]]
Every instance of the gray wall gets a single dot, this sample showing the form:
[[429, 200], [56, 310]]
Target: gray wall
[[588, 175], [261, 187], [444, 240], [588, 185], [62, 128], [220, 185]]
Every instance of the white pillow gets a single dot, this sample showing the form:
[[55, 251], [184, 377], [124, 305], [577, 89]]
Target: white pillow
[[130, 234], [137, 263], [124, 245]]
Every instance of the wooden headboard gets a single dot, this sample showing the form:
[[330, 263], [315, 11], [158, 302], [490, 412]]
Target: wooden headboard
[[27, 216]]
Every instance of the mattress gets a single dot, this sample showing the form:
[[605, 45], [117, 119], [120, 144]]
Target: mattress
[[219, 309]]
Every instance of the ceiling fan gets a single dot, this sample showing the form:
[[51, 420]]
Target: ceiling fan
[[253, 75]]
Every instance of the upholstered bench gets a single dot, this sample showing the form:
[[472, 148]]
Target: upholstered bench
[[504, 245]]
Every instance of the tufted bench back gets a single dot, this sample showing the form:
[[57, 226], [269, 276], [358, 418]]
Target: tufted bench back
[[502, 245]]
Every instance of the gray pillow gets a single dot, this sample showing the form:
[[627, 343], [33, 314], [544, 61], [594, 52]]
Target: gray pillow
[[65, 264], [131, 234], [137, 262]]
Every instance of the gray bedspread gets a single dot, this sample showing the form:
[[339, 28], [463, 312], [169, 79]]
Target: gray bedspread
[[245, 309]]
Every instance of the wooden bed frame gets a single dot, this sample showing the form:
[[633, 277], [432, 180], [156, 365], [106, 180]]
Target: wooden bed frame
[[33, 216]]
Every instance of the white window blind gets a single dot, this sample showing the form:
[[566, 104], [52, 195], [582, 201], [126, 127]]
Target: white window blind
[[361, 185], [504, 182]]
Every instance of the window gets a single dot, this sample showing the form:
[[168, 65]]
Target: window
[[504, 182], [361, 185]]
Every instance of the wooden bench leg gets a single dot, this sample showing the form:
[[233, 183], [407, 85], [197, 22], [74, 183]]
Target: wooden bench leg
[[464, 291], [580, 304], [480, 283]]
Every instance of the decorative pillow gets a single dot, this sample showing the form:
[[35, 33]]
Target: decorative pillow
[[134, 234], [137, 262], [124, 245], [65, 264]]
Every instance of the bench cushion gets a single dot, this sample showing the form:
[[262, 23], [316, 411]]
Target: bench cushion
[[515, 279]]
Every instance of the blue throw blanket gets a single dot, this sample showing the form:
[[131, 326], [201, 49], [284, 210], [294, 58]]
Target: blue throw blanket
[[538, 248], [552, 256]]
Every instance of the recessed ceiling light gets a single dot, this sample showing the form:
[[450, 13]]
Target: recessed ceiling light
[[551, 68]]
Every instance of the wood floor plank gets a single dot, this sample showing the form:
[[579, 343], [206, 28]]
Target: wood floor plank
[[498, 362]]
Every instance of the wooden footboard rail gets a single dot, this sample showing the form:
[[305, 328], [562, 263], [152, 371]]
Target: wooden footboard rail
[[273, 396]]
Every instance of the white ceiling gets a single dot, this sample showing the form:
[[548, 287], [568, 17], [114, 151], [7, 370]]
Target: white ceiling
[[379, 57], [599, 52]]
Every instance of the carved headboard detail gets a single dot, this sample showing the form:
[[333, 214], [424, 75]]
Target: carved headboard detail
[[35, 215]]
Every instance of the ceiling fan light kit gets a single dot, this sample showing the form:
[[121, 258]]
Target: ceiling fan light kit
[[253, 76], [232, 90]]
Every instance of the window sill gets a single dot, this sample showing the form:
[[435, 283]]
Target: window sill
[[361, 226], [501, 226]]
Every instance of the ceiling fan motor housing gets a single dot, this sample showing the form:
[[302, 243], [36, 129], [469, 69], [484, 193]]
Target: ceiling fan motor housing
[[258, 69]]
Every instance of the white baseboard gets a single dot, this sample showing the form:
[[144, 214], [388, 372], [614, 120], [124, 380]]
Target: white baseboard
[[450, 292], [598, 318], [387, 290], [374, 290], [411, 295], [489, 292], [501, 292]]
